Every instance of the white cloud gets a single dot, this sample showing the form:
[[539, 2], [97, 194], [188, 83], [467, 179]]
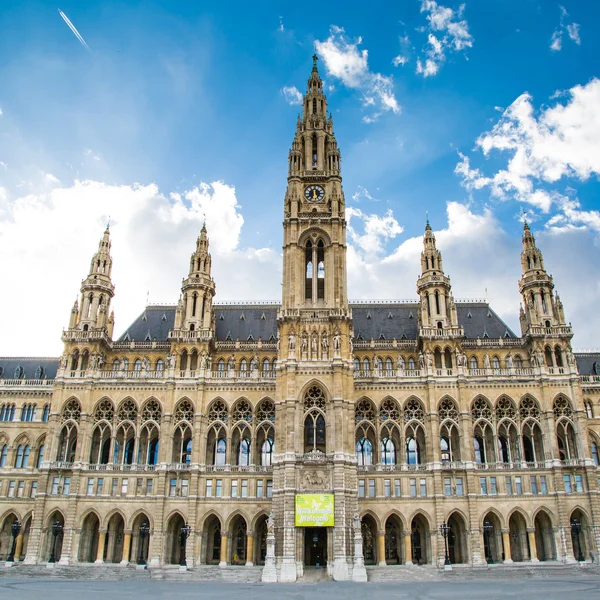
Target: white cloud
[[346, 62], [1, 112], [376, 231], [362, 192], [292, 95], [54, 235], [560, 141], [400, 60], [90, 153], [447, 32], [406, 49], [51, 178], [281, 26], [571, 29]]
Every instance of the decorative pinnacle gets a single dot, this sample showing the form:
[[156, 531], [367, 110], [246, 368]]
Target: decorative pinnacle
[[315, 59], [427, 225]]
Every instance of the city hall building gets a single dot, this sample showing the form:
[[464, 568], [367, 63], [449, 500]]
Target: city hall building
[[308, 432]]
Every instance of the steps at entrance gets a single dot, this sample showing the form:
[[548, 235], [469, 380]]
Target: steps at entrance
[[314, 575], [118, 572], [403, 573]]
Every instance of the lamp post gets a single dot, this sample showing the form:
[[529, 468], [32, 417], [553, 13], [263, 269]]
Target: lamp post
[[16, 530], [445, 530], [576, 529], [57, 529], [185, 534], [144, 532], [488, 529]]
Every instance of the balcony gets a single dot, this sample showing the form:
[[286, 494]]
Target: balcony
[[29, 383], [94, 335]]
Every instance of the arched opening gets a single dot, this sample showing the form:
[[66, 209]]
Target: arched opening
[[457, 539], [308, 271], [419, 533], [492, 539], [567, 445], [216, 448], [437, 358], [54, 541], [67, 443], [88, 540], [124, 444], [174, 549], [139, 543], [368, 529], [100, 449], [533, 446], [548, 356], [314, 432], [544, 537], [447, 358], [394, 541], [148, 445], [483, 443], [239, 541], [182, 444], [389, 445], [6, 535], [320, 270], [580, 535], [415, 445], [212, 535], [260, 540], [558, 356], [519, 541], [113, 543]]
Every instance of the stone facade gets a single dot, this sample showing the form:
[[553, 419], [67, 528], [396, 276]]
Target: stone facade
[[412, 414]]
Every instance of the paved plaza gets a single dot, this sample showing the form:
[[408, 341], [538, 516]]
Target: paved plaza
[[551, 588]]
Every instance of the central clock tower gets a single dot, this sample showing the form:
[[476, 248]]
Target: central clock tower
[[314, 226], [315, 351]]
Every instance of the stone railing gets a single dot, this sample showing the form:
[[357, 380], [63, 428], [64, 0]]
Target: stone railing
[[94, 335], [184, 335], [27, 382], [551, 331], [590, 379]]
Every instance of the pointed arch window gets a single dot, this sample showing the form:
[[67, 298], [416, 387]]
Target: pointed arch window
[[479, 447], [266, 455], [364, 452], [595, 454], [413, 451], [220, 452], [411, 364], [388, 451], [308, 271], [3, 455]]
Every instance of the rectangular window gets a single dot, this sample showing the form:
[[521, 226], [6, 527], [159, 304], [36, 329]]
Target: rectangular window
[[124, 486], [115, 486], [54, 486], [149, 487], [493, 486], [34, 489], [209, 488], [269, 488], [423, 487], [413, 488], [173, 487], [459, 486], [361, 488], [219, 488], [185, 486], [259, 488], [533, 484], [139, 486], [518, 486], [543, 484], [371, 488], [100, 486], [509, 488], [67, 486], [397, 488], [11, 489], [578, 483], [244, 488], [387, 488], [234, 486], [567, 480], [483, 485], [90, 486], [447, 486], [21, 489]]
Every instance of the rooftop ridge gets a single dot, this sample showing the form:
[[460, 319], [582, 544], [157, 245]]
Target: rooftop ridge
[[586, 350]]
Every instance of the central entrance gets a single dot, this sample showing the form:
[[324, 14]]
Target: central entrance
[[315, 546]]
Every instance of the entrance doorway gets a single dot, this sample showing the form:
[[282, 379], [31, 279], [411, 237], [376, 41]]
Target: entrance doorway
[[315, 546]]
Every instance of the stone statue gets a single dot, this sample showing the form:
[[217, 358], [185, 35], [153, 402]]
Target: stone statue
[[337, 341], [325, 341], [101, 360], [570, 358], [270, 523], [304, 342], [486, 361], [93, 362], [291, 341], [400, 363], [315, 343], [532, 359], [356, 522], [123, 364], [421, 361], [145, 364], [277, 344], [509, 361], [429, 359], [64, 359], [203, 361]]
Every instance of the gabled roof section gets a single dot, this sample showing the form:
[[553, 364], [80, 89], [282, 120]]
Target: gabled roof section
[[246, 321], [152, 324], [30, 366], [588, 363]]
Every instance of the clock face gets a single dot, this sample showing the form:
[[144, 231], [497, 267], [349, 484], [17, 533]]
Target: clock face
[[314, 193]]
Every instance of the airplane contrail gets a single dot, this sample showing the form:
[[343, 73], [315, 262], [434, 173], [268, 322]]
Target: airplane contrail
[[73, 29]]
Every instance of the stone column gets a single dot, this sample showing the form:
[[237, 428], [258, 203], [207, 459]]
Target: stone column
[[249, 550], [359, 573], [269, 574], [126, 548], [532, 545], [381, 548], [223, 557], [407, 549], [19, 546], [506, 544], [101, 542]]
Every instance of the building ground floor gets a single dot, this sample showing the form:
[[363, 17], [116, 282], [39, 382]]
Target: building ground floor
[[240, 533]]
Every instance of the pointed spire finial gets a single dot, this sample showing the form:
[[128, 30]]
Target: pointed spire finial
[[108, 225], [315, 59], [427, 225]]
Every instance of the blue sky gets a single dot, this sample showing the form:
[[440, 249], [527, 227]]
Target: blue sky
[[472, 112]]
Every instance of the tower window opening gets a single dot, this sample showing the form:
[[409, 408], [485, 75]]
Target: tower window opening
[[432, 262], [321, 270], [308, 271], [194, 303], [89, 306], [203, 306], [437, 303], [314, 151], [427, 262], [314, 106], [427, 303]]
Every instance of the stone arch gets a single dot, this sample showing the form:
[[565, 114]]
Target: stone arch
[[369, 527], [211, 528], [89, 537], [308, 235], [9, 517], [114, 525], [420, 527], [458, 547], [394, 512], [315, 382], [238, 512], [395, 528], [581, 543], [492, 526], [237, 528], [544, 534], [260, 529], [99, 401], [173, 548], [52, 542], [498, 515], [522, 512], [518, 537], [136, 520]]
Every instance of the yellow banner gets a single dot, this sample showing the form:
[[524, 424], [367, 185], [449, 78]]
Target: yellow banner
[[314, 510]]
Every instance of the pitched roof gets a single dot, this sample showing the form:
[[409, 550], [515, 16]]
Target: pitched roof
[[588, 363], [9, 366]]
